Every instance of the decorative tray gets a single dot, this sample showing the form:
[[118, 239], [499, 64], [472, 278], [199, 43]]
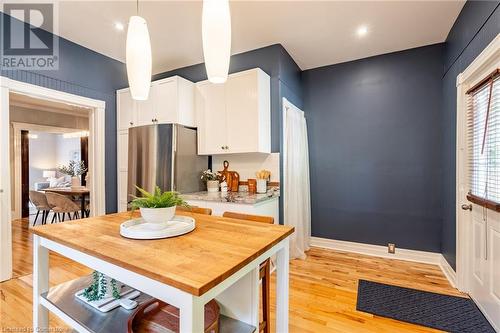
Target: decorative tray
[[140, 229]]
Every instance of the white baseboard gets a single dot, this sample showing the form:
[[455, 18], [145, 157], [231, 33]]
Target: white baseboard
[[433, 258], [448, 271]]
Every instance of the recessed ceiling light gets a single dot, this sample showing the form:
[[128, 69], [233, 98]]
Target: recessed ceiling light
[[362, 31], [119, 26]]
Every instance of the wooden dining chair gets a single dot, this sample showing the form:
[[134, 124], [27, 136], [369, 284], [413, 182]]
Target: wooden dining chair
[[62, 204], [39, 200], [264, 269], [193, 209]]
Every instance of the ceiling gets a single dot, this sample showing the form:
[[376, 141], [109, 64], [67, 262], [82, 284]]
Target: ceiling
[[315, 33]]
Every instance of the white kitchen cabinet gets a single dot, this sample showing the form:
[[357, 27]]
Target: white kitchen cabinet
[[211, 112], [126, 109], [170, 101], [122, 167], [235, 117]]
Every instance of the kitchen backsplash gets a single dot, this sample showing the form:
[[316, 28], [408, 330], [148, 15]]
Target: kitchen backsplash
[[248, 164]]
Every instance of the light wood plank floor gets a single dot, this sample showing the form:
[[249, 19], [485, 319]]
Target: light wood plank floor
[[322, 288]]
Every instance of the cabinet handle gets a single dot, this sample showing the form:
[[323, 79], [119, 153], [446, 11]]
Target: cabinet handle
[[222, 147], [227, 147], [131, 123]]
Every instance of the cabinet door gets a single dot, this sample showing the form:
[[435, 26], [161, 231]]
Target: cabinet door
[[242, 110], [122, 161], [165, 105], [145, 110], [126, 109], [211, 118]]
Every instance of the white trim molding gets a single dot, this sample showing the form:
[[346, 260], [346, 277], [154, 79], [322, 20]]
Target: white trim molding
[[484, 64], [433, 258], [96, 156]]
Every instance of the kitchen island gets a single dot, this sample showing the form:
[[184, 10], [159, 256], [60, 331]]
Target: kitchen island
[[218, 260]]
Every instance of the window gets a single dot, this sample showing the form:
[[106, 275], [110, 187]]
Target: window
[[483, 121]]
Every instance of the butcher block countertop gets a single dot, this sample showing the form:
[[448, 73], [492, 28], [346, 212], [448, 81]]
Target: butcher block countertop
[[194, 262]]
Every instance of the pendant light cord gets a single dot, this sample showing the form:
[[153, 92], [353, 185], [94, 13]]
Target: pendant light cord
[[137, 7]]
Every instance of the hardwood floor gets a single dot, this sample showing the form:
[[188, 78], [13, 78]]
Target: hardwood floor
[[323, 288]]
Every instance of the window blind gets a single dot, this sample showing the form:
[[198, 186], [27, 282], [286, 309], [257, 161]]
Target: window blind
[[483, 126]]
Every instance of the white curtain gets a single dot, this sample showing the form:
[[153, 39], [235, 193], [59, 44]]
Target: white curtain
[[296, 193]]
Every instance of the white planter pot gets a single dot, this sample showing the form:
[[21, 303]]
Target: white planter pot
[[158, 215], [213, 186], [75, 181]]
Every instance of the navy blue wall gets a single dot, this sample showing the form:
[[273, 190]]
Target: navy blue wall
[[375, 149], [475, 28], [86, 73]]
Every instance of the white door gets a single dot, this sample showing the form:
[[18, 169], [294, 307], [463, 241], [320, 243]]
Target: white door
[[478, 196], [211, 117], [126, 109], [165, 105], [242, 113]]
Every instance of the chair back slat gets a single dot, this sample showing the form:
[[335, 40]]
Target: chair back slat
[[249, 217], [197, 210]]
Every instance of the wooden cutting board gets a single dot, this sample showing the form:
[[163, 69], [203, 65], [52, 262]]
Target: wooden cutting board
[[232, 177]]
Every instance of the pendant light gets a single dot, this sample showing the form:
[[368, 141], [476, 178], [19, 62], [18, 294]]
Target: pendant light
[[138, 57], [216, 35]]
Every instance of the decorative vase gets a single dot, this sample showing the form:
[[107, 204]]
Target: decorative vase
[[213, 186], [158, 215], [75, 182]]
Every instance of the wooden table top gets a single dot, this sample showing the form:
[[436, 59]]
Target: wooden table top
[[68, 190], [194, 262]]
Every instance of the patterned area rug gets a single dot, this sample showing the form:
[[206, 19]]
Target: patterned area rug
[[443, 312]]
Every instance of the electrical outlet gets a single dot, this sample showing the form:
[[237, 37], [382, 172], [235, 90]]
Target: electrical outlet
[[391, 248]]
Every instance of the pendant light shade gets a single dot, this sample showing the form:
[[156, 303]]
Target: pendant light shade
[[216, 35], [138, 58]]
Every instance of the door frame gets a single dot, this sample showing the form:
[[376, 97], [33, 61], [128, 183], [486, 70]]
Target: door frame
[[484, 64], [17, 128], [96, 156]]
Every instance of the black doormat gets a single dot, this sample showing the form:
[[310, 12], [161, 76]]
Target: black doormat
[[443, 312]]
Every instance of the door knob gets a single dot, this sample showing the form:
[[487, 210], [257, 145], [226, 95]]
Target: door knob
[[467, 206]]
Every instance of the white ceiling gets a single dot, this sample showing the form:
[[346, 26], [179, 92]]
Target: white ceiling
[[315, 33]]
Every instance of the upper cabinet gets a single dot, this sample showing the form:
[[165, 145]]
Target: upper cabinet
[[171, 100], [234, 117]]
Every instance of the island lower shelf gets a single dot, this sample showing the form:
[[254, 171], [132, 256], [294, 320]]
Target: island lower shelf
[[61, 301]]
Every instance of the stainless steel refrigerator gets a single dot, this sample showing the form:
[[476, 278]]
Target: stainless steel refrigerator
[[164, 155]]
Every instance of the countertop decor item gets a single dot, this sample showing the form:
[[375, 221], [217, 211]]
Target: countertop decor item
[[157, 207], [263, 177], [74, 169], [231, 177], [141, 229], [212, 179], [252, 186]]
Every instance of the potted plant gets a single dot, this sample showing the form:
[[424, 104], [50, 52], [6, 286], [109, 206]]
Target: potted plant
[[212, 179], [157, 207], [74, 169]]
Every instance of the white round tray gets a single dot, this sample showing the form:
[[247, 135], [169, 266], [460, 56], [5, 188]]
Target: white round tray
[[140, 229]]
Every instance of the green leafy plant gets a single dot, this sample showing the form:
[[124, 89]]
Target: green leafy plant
[[97, 289], [157, 199], [73, 169]]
